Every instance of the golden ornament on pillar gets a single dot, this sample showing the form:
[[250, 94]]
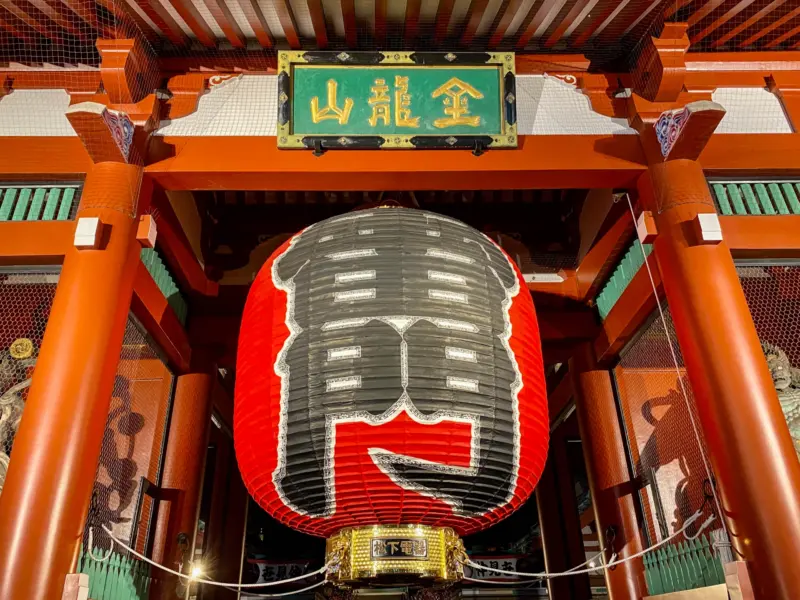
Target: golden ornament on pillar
[[392, 553], [21, 348]]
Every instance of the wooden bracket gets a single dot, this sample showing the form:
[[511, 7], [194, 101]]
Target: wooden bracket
[[786, 86], [186, 91], [660, 71], [106, 134], [128, 70], [646, 227], [684, 132]]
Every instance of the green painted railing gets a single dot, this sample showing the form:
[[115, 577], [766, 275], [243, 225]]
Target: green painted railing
[[765, 198], [118, 578], [39, 203], [688, 565], [622, 275], [165, 281]]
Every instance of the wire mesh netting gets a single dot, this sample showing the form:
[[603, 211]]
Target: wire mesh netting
[[773, 295], [667, 457], [133, 446], [50, 48], [25, 301]]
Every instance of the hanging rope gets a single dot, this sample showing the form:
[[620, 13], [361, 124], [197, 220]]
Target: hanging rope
[[121, 544], [695, 428], [575, 571]]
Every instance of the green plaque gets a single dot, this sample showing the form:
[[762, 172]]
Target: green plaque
[[396, 100]]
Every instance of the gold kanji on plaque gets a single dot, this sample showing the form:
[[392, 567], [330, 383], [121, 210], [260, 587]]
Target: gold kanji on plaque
[[402, 104], [331, 111], [456, 104], [379, 101]]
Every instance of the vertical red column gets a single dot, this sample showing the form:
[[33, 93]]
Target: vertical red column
[[607, 470], [184, 462], [749, 444], [47, 491]]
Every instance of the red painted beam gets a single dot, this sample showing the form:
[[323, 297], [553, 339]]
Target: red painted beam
[[257, 22], [748, 23], [506, 15], [762, 236], [43, 158], [177, 250], [412, 21], [719, 22], [474, 17], [631, 311], [35, 242], [576, 10], [772, 27], [350, 23], [317, 13], [156, 315], [286, 17], [603, 256], [255, 163], [191, 16], [224, 18], [159, 16], [443, 15]]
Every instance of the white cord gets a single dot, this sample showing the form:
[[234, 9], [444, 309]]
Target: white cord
[[209, 581], [305, 589], [90, 549], [612, 563], [678, 371]]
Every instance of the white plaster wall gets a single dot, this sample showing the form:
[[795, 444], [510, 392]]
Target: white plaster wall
[[247, 106], [35, 113], [751, 110]]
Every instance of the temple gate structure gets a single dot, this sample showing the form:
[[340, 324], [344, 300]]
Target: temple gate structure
[[637, 161]]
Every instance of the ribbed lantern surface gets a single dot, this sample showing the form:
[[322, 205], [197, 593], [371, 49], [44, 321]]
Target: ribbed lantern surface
[[390, 371]]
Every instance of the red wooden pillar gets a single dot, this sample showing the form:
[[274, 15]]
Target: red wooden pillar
[[184, 462], [559, 522], [749, 444], [607, 470], [46, 495]]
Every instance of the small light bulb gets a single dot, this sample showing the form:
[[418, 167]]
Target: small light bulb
[[592, 564], [196, 572]]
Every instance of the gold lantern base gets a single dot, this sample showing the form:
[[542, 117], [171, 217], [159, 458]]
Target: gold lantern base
[[395, 554]]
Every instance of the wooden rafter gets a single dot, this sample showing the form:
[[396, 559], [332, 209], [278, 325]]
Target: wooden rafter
[[350, 23], [59, 14], [412, 21], [19, 29], [625, 22], [222, 15], [502, 21], [158, 15], [675, 6], [33, 18], [318, 21], [474, 17], [787, 35], [717, 23], [596, 22], [191, 16], [85, 10], [770, 28], [286, 17], [567, 22], [257, 22], [443, 15], [749, 22], [702, 12], [380, 23], [536, 26]]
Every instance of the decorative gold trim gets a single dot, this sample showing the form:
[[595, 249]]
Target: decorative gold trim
[[505, 60], [363, 555], [286, 58], [21, 348]]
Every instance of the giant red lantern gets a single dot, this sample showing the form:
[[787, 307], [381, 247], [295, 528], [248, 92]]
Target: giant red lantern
[[390, 372]]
